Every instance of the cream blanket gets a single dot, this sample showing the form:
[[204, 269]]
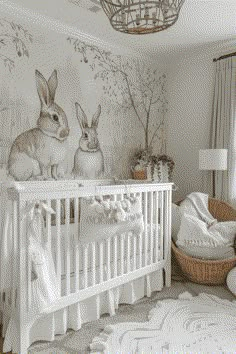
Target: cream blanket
[[200, 235], [196, 204]]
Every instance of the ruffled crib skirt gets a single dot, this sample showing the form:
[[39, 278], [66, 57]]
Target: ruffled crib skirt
[[72, 317]]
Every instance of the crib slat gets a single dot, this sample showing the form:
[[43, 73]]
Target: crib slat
[[151, 227], [169, 213], [134, 252], [165, 241], [121, 254], [85, 265], [49, 226], [15, 245], [161, 223], [76, 223], [140, 251], [115, 256], [58, 241], [29, 268], [67, 244], [93, 263], [115, 241], [128, 252], [145, 229], [108, 248], [157, 224], [101, 261]]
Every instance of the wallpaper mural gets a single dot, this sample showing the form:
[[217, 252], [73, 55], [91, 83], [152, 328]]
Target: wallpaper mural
[[70, 109], [132, 86]]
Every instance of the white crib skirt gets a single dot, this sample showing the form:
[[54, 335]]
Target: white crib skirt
[[72, 317]]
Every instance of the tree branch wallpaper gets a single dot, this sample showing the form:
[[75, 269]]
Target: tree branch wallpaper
[[130, 91]]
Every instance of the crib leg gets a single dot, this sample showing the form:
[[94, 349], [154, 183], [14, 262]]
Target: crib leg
[[98, 308], [148, 286], [111, 303], [168, 271]]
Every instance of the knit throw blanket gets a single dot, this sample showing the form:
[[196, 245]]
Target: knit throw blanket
[[201, 324]]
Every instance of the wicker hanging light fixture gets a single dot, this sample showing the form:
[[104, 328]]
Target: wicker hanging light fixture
[[141, 16]]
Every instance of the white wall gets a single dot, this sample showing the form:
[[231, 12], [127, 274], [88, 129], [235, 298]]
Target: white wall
[[190, 90]]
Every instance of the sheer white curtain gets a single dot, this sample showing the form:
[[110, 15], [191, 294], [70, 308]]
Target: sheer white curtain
[[224, 126]]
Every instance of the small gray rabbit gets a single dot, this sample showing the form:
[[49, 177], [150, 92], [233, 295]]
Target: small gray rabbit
[[38, 152], [88, 160]]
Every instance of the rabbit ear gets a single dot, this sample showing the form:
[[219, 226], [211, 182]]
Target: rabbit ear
[[52, 84], [42, 87], [81, 116], [96, 117]]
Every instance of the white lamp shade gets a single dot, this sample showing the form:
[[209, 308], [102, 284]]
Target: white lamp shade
[[213, 159]]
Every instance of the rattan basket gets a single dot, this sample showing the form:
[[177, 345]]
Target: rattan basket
[[210, 272]]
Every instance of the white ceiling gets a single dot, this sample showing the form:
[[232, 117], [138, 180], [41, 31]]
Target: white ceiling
[[200, 22]]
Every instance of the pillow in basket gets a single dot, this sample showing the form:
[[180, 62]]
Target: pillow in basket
[[199, 240], [101, 217]]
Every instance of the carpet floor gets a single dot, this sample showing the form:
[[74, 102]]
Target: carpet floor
[[78, 342]]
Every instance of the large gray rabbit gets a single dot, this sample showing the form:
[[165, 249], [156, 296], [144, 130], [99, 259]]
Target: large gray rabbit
[[88, 161], [38, 152]]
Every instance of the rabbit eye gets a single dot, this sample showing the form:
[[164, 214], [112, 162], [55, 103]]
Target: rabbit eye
[[55, 117], [86, 135]]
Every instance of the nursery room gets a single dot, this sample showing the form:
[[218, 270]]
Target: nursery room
[[117, 176]]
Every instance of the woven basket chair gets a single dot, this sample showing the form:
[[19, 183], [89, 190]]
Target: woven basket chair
[[210, 272]]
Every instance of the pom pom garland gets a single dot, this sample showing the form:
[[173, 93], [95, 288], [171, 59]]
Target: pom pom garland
[[111, 208]]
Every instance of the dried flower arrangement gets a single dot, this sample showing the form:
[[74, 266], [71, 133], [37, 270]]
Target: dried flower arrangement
[[143, 161]]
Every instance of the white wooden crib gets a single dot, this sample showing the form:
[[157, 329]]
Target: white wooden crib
[[93, 274]]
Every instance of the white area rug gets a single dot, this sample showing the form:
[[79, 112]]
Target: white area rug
[[204, 323]]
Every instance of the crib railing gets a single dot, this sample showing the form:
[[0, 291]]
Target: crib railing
[[86, 269]]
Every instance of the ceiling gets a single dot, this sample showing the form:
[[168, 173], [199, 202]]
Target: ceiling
[[200, 22]]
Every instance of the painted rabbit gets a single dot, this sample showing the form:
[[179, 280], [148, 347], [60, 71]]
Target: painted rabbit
[[37, 153], [88, 161]]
